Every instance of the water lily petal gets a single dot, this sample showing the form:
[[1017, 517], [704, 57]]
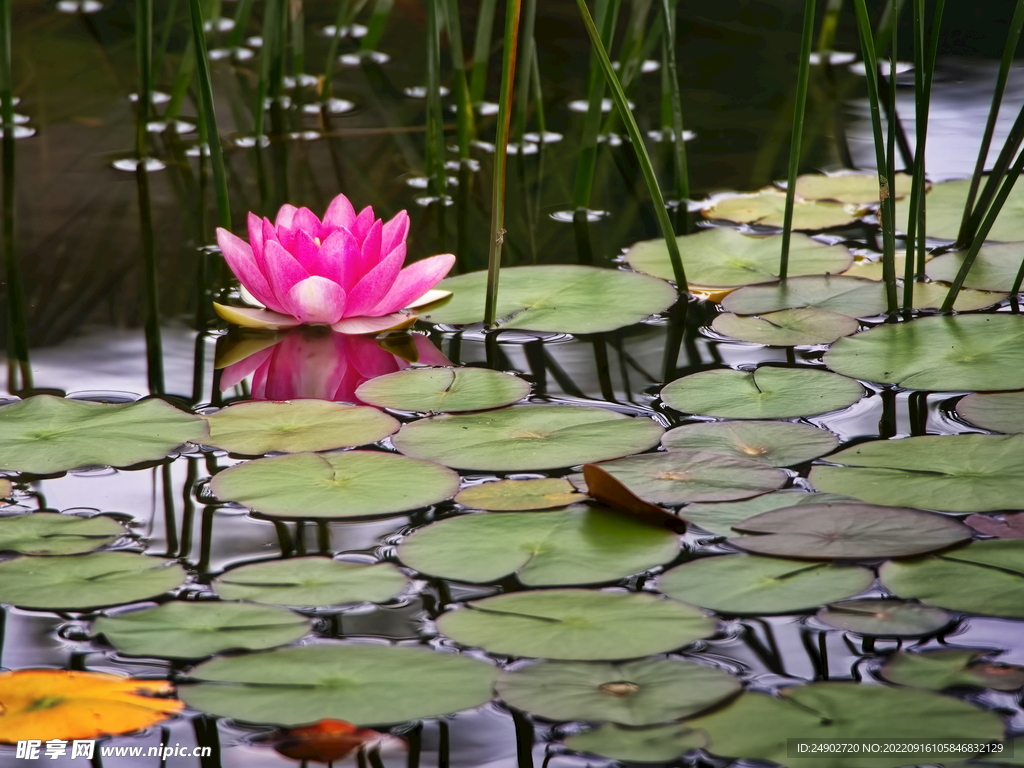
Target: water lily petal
[[433, 296], [282, 271], [306, 252], [306, 221], [395, 232], [374, 285], [371, 253], [429, 353], [249, 317], [414, 281], [255, 224], [234, 373], [285, 216], [359, 325], [316, 301], [242, 261], [340, 213], [340, 259], [305, 364], [362, 223]]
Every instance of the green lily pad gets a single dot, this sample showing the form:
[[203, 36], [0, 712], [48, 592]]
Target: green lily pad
[[952, 473], [512, 495], [848, 187], [193, 630], [787, 327], [335, 485], [932, 295], [295, 426], [758, 727], [994, 269], [776, 443], [679, 476], [311, 582], [942, 352], [364, 684], [657, 744], [576, 624], [45, 434], [748, 584], [527, 437], [764, 393], [938, 670], [559, 298], [641, 692], [884, 618], [50, 533], [848, 530], [578, 545], [1002, 412], [80, 582], [945, 209], [986, 577], [873, 269], [443, 390], [720, 518], [852, 296], [768, 207], [722, 257]]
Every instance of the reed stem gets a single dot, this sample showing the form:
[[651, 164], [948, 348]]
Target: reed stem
[[670, 80], [208, 115], [481, 50], [435, 149]]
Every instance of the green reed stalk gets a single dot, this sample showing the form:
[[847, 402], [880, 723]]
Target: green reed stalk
[[435, 149], [297, 26], [643, 158], [171, 11], [672, 99], [799, 110], [271, 55], [241, 23], [144, 61], [341, 20], [513, 10], [464, 128], [829, 26], [525, 62], [481, 50], [208, 115], [378, 21]]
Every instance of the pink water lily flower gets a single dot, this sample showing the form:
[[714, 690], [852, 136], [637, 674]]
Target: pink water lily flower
[[345, 271]]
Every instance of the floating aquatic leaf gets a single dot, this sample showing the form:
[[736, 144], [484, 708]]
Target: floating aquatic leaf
[[79, 582], [764, 393], [1002, 412], [942, 352], [849, 187], [576, 624], [527, 437], [787, 327], [296, 425], [953, 473], [365, 684], [641, 692], [49, 533], [776, 443], [748, 584], [192, 630], [443, 390], [559, 298], [946, 202], [938, 670], [994, 269], [310, 582], [46, 704], [768, 206], [512, 495], [720, 518], [851, 296], [722, 257], [578, 545], [45, 434], [873, 269], [884, 618], [932, 296], [613, 493], [334, 485], [1008, 526], [657, 744]]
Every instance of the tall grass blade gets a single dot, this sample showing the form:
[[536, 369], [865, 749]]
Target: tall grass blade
[[673, 103], [208, 115], [464, 128], [586, 167], [893, 127], [342, 20], [481, 50], [829, 26], [241, 24], [378, 21], [435, 149]]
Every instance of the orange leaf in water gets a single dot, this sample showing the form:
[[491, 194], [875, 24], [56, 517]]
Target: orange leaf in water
[[324, 741], [56, 704], [611, 492]]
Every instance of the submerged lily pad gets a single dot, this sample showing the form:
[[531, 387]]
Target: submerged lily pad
[[45, 434], [851, 296], [576, 624], [656, 744], [768, 207], [748, 584], [364, 684], [945, 204], [1002, 412], [938, 670], [723, 257], [764, 393], [634, 693], [559, 298], [79, 582], [50, 533], [952, 473], [527, 437], [884, 618], [333, 485], [295, 426], [443, 390], [848, 187], [192, 630], [512, 495], [311, 582], [942, 352], [776, 443], [787, 327], [578, 545], [720, 518], [994, 269], [848, 530]]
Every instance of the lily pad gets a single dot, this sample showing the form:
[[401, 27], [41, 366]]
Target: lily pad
[[938, 670], [634, 693], [576, 624], [613, 493], [748, 584], [364, 684], [1006, 526], [192, 630], [764, 393], [50, 533], [658, 744], [994, 269], [310, 582], [932, 296], [952, 473], [767, 208], [884, 618], [512, 495], [945, 209], [942, 352], [578, 545], [776, 443], [45, 434], [527, 437], [680, 476], [722, 257], [787, 327], [79, 582], [720, 518], [1002, 412], [295, 426], [848, 530], [443, 390], [852, 296], [873, 269], [558, 298], [848, 187], [336, 485]]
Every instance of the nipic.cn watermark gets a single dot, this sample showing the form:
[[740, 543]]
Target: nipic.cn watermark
[[37, 749]]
